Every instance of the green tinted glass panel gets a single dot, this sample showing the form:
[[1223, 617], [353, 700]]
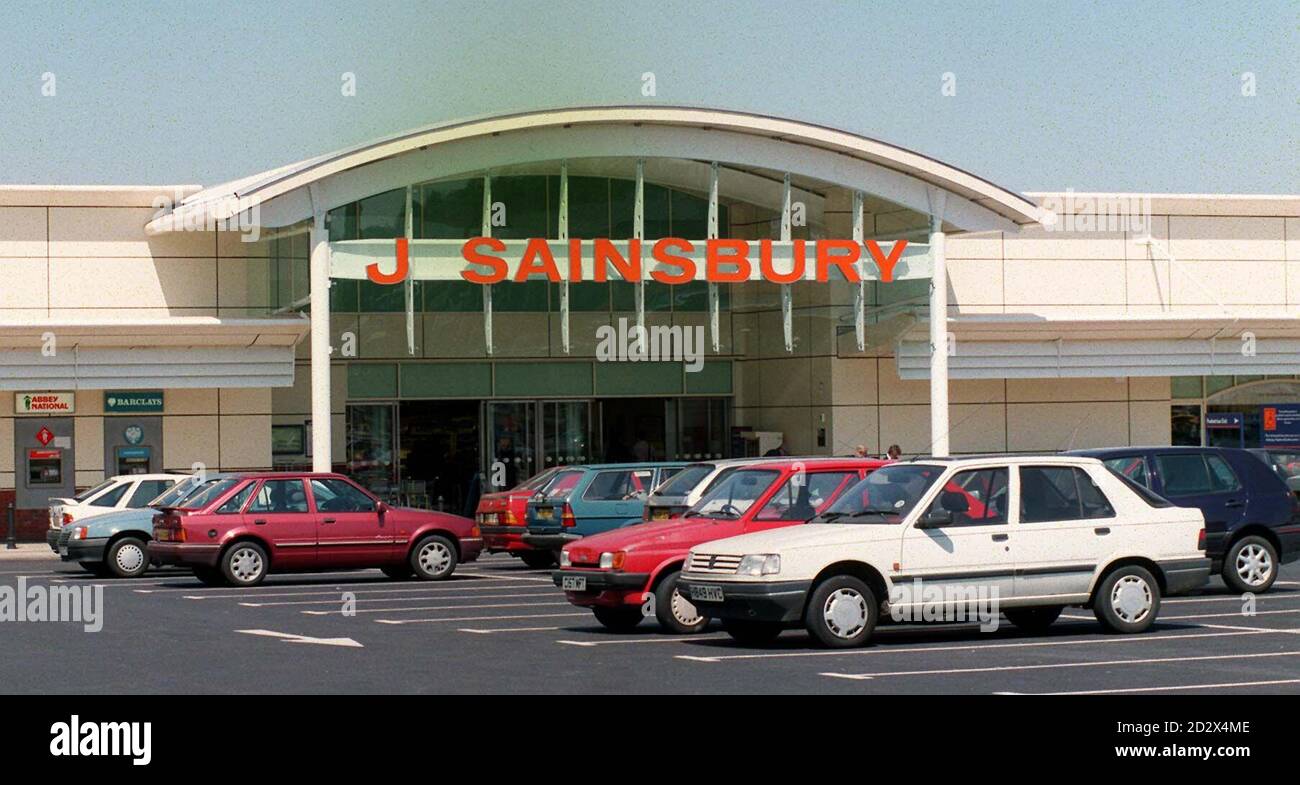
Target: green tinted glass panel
[[382, 215], [1185, 386], [713, 377], [342, 222], [586, 296], [446, 380], [690, 216], [372, 380], [526, 296], [1214, 384], [451, 210], [693, 296], [588, 207], [343, 296], [528, 379], [383, 298], [638, 378], [658, 296], [524, 198], [452, 296]]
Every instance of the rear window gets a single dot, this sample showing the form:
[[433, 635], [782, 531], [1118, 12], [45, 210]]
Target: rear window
[[561, 485], [538, 481], [685, 480], [86, 494], [619, 484], [1147, 495]]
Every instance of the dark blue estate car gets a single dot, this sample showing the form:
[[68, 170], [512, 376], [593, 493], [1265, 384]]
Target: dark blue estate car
[[1252, 520]]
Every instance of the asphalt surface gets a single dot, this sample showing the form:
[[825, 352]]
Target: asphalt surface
[[498, 627]]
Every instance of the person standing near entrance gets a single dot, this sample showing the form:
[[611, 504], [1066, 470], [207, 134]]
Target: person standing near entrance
[[893, 453]]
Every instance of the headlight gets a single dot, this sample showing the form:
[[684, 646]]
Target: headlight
[[79, 533], [564, 559], [612, 560], [759, 564]]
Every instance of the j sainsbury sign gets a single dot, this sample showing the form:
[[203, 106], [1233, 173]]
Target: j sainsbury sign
[[671, 260]]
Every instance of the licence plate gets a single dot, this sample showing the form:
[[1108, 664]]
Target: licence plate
[[573, 582], [545, 513], [659, 515], [706, 593]]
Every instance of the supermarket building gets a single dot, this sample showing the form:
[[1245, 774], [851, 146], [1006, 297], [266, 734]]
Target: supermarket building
[[236, 326]]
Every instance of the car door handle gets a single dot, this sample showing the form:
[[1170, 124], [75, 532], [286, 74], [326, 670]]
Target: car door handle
[[1102, 530], [329, 520], [1234, 503], [1001, 537], [259, 521]]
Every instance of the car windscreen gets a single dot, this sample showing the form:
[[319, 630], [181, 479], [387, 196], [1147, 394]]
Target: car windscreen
[[886, 495], [685, 480], [180, 490], [89, 492], [210, 492], [732, 497]]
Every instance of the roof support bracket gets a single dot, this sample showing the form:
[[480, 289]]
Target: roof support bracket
[[715, 306], [487, 288], [638, 232], [787, 295], [409, 284], [860, 296], [563, 234]]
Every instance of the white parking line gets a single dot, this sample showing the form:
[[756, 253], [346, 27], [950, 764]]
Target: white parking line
[[1238, 615], [1049, 666], [877, 650], [438, 608], [1220, 685], [421, 598], [659, 639], [1270, 597], [480, 631], [329, 589], [480, 618]]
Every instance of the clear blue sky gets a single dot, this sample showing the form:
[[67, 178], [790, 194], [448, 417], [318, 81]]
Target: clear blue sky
[[1091, 96]]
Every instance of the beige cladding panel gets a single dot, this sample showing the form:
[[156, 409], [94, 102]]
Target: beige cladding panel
[[138, 282], [245, 441], [190, 440], [23, 232], [119, 231]]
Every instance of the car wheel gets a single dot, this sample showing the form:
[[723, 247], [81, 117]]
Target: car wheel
[[1250, 565], [538, 560], [1127, 600], [841, 612], [618, 619], [244, 564], [674, 612], [127, 558], [752, 633], [1033, 619], [209, 576], [398, 572], [433, 558]]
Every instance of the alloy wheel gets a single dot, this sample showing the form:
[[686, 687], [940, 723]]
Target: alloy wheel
[[1254, 566]]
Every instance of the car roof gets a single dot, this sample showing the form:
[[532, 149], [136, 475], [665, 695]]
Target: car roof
[[820, 461], [1165, 448], [1008, 458], [158, 476], [631, 465]]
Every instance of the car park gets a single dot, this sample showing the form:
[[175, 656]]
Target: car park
[[115, 544], [1053, 531], [614, 573], [240, 528], [587, 500], [501, 518], [122, 492], [1252, 519]]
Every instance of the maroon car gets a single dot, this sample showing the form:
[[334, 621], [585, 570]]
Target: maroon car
[[240, 527]]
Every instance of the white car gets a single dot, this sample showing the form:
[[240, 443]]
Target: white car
[[125, 491], [941, 539], [688, 485]]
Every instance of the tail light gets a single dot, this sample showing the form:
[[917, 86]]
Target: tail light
[[79, 533], [474, 531], [567, 520], [1200, 540], [67, 518], [507, 518]]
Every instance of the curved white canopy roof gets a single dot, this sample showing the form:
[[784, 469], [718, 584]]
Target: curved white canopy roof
[[293, 193]]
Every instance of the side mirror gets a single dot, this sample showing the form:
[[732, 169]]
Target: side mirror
[[382, 508], [934, 519]]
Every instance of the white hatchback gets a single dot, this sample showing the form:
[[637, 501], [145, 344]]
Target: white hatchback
[[951, 539], [125, 491]]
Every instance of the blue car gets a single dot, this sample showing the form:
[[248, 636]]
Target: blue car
[[115, 544], [1252, 520], [585, 500]]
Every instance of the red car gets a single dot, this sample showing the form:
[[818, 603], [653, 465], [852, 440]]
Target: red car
[[241, 527], [501, 517], [618, 572]]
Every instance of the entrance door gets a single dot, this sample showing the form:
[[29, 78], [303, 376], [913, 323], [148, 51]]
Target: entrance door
[[634, 429], [438, 442], [44, 458], [566, 433], [510, 440]]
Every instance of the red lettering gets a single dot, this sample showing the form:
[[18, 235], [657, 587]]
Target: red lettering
[[661, 254], [727, 252], [497, 265], [886, 264], [538, 259], [768, 270], [403, 266], [827, 258], [605, 253]]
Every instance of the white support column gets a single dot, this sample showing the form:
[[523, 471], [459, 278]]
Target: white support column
[[563, 234], [409, 283], [938, 340], [487, 288], [715, 306], [787, 296], [321, 433], [638, 232], [860, 296]]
